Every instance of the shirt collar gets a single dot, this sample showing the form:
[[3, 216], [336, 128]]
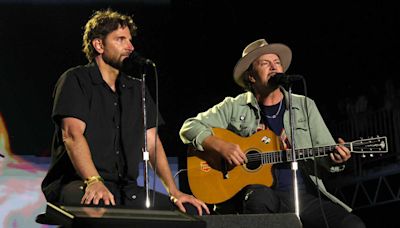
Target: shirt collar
[[94, 72], [96, 77], [127, 80]]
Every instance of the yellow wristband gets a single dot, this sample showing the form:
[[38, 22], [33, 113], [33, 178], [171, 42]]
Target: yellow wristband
[[93, 179]]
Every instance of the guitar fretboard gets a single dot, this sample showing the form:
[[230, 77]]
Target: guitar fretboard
[[274, 157]]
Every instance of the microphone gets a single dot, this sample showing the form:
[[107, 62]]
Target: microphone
[[136, 58], [284, 79], [133, 63]]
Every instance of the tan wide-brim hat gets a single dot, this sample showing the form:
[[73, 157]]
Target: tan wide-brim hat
[[255, 50]]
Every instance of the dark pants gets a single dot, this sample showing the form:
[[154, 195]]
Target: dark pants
[[258, 199], [124, 196]]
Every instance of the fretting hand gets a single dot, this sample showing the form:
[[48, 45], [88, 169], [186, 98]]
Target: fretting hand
[[341, 154]]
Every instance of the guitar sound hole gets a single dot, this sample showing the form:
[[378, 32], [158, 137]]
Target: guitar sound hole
[[253, 160]]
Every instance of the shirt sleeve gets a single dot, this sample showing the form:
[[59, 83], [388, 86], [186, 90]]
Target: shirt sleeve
[[70, 98]]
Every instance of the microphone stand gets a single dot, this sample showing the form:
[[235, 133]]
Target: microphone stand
[[146, 154], [294, 164], [135, 58]]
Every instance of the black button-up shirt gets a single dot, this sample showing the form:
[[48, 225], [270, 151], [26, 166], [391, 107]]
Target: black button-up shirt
[[114, 126]]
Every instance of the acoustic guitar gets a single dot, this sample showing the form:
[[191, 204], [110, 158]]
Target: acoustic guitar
[[213, 180]]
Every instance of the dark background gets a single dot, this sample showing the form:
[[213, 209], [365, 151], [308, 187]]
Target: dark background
[[344, 50]]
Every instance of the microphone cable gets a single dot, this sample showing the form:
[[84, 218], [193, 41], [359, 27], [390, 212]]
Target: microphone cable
[[313, 152]]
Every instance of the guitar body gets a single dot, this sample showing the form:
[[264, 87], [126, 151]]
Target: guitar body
[[212, 180]]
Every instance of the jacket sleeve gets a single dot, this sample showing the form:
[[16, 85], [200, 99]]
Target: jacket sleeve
[[194, 130]]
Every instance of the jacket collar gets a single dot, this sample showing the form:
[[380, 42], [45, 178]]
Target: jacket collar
[[250, 99]]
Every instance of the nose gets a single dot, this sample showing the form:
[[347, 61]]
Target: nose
[[130, 46], [272, 66]]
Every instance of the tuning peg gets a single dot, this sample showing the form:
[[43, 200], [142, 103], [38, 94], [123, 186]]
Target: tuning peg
[[363, 156], [371, 155]]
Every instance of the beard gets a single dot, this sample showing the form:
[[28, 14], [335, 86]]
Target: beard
[[114, 62]]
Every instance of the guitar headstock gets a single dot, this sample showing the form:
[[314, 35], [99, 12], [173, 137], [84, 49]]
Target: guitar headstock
[[371, 145]]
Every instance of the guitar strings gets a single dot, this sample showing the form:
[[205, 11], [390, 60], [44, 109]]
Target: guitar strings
[[276, 156]]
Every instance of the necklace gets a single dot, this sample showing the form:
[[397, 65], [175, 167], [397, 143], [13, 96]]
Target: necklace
[[277, 112]]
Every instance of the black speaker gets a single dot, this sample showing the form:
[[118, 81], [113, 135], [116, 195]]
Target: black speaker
[[87, 217], [284, 220]]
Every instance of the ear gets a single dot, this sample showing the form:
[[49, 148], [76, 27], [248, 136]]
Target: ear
[[98, 45], [251, 78]]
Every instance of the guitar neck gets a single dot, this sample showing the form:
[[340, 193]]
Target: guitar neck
[[301, 154]]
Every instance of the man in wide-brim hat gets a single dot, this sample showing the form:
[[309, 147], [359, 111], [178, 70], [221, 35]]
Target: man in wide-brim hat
[[255, 50], [265, 107]]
